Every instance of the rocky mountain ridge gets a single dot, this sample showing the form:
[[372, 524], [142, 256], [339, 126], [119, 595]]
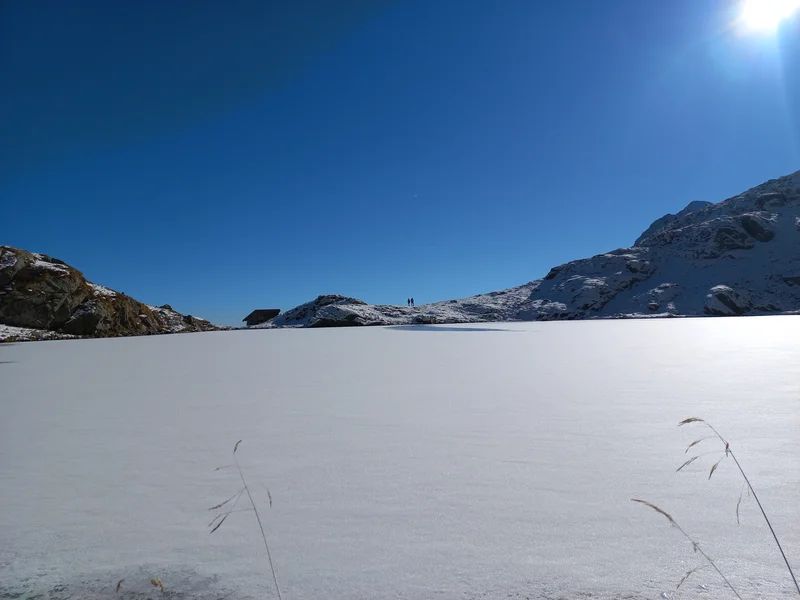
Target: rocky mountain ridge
[[42, 297], [740, 256]]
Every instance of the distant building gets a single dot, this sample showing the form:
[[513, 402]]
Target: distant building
[[261, 315]]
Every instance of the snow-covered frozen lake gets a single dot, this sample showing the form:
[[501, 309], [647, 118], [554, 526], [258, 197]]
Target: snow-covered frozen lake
[[458, 462]]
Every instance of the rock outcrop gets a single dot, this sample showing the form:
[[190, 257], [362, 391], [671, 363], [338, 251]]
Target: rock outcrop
[[331, 310], [39, 292], [737, 257], [668, 219], [723, 300]]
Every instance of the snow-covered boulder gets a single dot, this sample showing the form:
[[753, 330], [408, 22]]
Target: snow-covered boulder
[[425, 319], [324, 311], [759, 225], [723, 300]]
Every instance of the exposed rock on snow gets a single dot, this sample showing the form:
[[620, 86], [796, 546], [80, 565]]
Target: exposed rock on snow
[[331, 310], [739, 256], [725, 301], [175, 322], [38, 292], [759, 225]]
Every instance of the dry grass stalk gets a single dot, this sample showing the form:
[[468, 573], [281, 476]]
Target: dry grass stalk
[[689, 574], [219, 519], [714, 467], [695, 546], [750, 489], [694, 443], [738, 504]]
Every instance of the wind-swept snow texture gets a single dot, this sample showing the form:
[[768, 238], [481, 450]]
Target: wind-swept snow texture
[[451, 462], [740, 256]]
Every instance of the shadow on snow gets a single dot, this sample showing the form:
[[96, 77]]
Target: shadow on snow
[[445, 328]]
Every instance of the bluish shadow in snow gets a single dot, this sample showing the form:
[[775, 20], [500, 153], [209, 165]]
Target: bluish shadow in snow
[[135, 584], [445, 328]]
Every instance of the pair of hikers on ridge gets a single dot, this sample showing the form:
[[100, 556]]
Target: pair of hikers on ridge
[[410, 302]]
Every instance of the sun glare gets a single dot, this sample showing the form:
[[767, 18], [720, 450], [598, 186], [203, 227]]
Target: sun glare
[[766, 15]]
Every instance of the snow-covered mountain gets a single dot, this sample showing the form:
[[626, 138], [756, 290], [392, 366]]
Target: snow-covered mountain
[[44, 298], [739, 256]]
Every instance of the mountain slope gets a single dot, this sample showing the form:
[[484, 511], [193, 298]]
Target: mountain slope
[[666, 220], [41, 294], [740, 256]]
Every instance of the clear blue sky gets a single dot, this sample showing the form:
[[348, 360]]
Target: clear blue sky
[[225, 156]]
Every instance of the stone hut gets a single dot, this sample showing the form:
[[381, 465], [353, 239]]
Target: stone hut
[[261, 315]]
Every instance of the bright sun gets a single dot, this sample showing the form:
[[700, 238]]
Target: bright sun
[[766, 15]]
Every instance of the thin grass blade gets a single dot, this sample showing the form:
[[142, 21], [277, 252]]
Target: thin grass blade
[[714, 467], [215, 519], [221, 504], [655, 508], [738, 503], [687, 463], [217, 526], [689, 574], [694, 443]]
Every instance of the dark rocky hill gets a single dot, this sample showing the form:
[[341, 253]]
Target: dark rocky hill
[[44, 294]]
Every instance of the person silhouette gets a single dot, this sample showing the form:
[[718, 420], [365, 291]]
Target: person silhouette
[[408, 301], [412, 301]]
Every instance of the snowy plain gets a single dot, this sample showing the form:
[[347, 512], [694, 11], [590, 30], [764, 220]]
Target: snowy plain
[[419, 462]]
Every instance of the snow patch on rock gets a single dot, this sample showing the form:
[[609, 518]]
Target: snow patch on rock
[[175, 322], [101, 290], [7, 260], [45, 262], [9, 333]]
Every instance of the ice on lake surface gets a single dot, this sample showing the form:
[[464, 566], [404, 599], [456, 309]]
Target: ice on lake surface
[[403, 463]]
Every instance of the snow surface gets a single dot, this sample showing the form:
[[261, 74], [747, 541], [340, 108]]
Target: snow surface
[[480, 461]]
